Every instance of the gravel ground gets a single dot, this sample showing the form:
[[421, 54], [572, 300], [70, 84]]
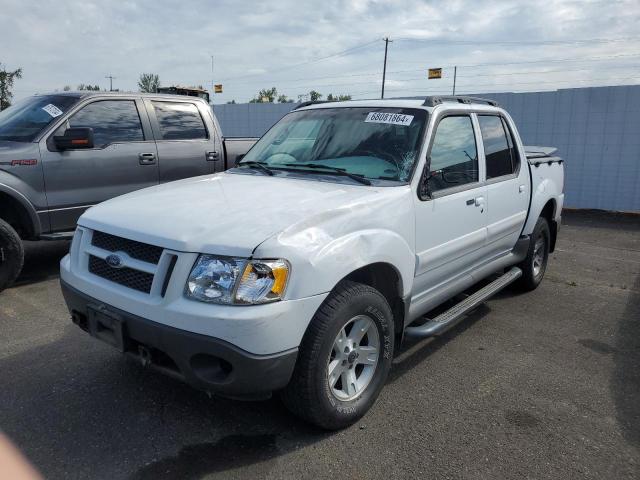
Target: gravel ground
[[538, 385]]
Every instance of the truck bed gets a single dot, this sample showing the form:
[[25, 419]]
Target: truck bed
[[538, 155]]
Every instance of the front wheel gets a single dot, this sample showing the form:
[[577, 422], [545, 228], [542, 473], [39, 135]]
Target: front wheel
[[11, 255], [344, 358], [535, 263]]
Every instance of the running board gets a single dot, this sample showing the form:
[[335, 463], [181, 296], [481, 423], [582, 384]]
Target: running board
[[58, 236], [448, 319]]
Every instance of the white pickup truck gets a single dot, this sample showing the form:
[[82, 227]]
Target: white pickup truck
[[300, 270]]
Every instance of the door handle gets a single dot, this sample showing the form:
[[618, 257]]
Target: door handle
[[471, 201], [147, 158], [479, 201], [521, 188], [212, 156]]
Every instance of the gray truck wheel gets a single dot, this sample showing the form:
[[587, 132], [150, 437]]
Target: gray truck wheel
[[344, 358], [11, 255], [535, 264]]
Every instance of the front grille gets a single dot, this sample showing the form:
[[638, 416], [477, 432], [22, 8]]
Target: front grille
[[138, 250], [128, 277]]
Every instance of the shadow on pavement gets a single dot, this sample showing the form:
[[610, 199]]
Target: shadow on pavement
[[42, 261], [195, 461], [601, 219], [625, 384]]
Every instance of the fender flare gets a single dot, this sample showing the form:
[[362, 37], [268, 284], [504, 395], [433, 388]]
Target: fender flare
[[545, 192], [320, 270], [26, 204]]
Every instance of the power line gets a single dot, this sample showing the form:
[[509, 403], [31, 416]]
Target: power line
[[320, 59], [433, 42], [601, 57]]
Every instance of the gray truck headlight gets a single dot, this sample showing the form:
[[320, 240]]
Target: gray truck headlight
[[230, 280]]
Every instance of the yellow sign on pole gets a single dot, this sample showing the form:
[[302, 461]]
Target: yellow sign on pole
[[217, 88], [435, 73]]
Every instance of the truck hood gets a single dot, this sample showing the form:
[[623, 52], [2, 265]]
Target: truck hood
[[226, 214]]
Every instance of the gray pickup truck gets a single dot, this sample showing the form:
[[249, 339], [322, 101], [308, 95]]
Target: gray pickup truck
[[65, 152]]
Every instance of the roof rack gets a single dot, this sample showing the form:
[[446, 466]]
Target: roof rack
[[312, 102], [434, 100]]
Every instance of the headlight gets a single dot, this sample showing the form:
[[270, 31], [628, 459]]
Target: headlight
[[229, 280]]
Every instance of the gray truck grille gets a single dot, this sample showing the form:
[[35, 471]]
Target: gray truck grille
[[138, 250], [127, 277]]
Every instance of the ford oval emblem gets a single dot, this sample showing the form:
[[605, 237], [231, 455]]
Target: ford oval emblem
[[114, 261]]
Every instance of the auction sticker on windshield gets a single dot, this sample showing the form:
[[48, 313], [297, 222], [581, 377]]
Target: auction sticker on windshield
[[390, 118], [52, 110]]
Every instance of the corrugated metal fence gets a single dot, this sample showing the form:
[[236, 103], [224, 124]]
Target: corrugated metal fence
[[597, 131]]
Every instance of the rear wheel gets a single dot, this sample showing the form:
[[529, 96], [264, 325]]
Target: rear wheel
[[11, 255], [344, 358], [535, 264]]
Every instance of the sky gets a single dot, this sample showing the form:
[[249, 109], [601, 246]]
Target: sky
[[331, 46]]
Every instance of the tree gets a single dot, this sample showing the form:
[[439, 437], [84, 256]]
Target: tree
[[315, 96], [232, 102], [268, 94], [149, 82], [284, 99], [337, 98], [95, 88], [66, 88], [6, 84]]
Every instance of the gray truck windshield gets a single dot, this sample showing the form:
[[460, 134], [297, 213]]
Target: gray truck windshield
[[376, 143], [24, 120]]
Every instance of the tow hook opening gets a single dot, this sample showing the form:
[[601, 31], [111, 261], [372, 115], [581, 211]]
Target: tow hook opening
[[145, 355], [152, 357], [80, 320]]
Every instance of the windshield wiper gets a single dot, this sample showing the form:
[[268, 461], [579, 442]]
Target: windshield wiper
[[337, 170], [257, 165]]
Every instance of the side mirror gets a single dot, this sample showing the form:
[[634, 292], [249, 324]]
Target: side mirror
[[73, 138], [239, 157]]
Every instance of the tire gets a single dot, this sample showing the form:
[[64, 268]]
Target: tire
[[310, 395], [11, 255], [535, 264]]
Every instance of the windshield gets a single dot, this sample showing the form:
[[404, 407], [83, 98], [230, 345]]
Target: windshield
[[370, 142], [23, 121]]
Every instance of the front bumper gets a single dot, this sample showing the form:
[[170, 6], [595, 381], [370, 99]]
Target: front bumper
[[204, 362]]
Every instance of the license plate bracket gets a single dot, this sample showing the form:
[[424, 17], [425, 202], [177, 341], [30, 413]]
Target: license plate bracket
[[106, 326]]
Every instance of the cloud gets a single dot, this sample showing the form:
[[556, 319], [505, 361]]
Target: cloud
[[263, 44]]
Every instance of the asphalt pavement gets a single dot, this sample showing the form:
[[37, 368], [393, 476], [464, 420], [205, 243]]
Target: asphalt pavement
[[538, 385]]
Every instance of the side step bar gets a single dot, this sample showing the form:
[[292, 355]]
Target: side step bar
[[58, 236], [448, 319]]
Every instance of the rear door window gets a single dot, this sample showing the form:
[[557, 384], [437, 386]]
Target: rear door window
[[498, 149], [112, 121], [179, 121], [454, 158]]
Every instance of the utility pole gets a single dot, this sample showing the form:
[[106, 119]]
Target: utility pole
[[455, 71], [384, 69], [110, 77], [213, 88]]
